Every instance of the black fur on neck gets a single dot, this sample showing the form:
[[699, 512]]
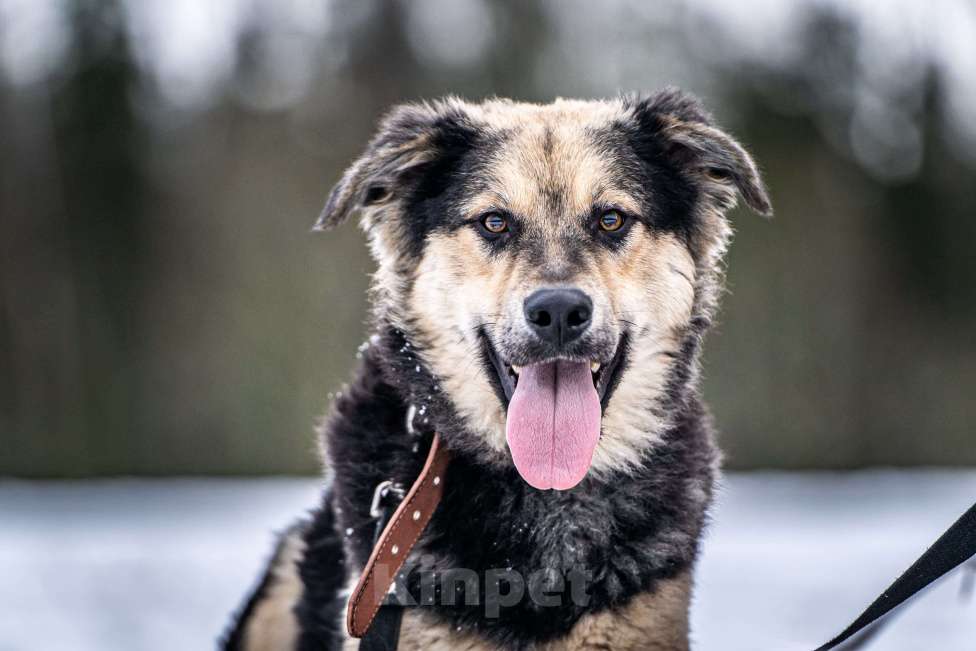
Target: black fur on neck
[[624, 534]]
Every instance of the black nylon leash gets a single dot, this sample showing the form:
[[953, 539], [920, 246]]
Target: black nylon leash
[[384, 632], [952, 549]]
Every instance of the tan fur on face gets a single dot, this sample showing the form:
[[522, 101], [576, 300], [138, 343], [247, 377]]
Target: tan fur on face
[[550, 151], [647, 287], [651, 286], [454, 290], [653, 621], [654, 289]]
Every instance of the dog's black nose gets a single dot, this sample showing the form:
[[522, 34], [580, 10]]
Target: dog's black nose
[[558, 316]]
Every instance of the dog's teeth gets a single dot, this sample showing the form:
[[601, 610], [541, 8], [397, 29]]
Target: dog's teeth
[[594, 366], [516, 369]]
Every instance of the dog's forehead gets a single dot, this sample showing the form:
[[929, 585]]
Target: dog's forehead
[[553, 161]]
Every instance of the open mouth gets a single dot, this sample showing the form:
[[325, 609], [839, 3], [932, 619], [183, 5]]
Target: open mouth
[[554, 411], [605, 376]]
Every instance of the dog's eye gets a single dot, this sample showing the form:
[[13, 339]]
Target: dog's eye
[[376, 194], [611, 221], [718, 174], [494, 223]]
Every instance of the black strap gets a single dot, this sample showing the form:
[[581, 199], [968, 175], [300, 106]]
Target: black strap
[[384, 632], [951, 550]]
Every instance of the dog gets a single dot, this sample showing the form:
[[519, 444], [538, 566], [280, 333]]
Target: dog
[[545, 277]]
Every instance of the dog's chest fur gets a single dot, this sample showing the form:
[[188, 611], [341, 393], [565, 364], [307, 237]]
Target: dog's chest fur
[[634, 540], [651, 621]]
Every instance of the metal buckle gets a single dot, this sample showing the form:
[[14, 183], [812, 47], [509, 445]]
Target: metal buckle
[[383, 489]]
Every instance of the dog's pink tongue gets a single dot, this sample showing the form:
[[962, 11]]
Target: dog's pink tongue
[[554, 424]]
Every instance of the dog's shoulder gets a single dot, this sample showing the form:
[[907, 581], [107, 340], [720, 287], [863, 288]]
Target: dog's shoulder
[[267, 619], [296, 604]]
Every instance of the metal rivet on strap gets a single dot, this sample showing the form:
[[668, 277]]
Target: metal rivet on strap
[[437, 480], [395, 550], [416, 515]]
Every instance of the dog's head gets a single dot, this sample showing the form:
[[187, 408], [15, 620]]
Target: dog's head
[[550, 268]]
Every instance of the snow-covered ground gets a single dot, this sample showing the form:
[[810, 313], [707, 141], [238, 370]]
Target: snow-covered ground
[[789, 559]]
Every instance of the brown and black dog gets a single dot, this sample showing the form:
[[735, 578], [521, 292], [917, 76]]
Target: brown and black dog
[[546, 274]]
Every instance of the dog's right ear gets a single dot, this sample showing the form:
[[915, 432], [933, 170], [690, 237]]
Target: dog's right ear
[[409, 137]]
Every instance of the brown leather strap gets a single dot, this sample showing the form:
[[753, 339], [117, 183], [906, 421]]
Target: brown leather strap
[[396, 541]]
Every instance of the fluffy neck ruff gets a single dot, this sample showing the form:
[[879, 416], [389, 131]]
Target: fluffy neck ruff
[[624, 535]]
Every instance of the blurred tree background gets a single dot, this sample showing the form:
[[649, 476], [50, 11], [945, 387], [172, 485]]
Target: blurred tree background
[[164, 308]]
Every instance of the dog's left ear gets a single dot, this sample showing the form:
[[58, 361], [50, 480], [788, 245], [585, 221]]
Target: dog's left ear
[[409, 137], [674, 124]]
